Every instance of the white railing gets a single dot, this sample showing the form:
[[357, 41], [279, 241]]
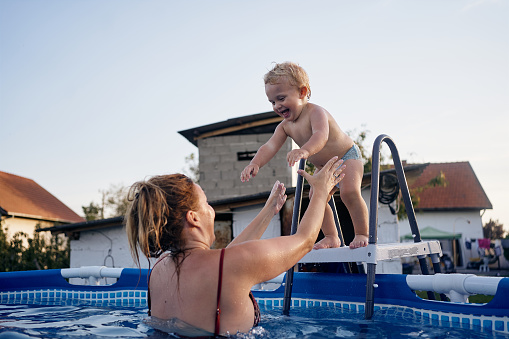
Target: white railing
[[458, 287], [92, 274]]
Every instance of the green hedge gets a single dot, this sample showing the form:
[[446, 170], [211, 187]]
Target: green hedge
[[22, 253]]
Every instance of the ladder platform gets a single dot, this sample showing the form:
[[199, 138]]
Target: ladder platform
[[373, 252]]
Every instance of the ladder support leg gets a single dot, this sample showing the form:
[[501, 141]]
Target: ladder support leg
[[332, 204], [370, 292], [425, 271], [287, 300], [436, 268]]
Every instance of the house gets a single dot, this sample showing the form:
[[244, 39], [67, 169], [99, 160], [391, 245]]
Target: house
[[24, 204], [224, 149], [453, 203]]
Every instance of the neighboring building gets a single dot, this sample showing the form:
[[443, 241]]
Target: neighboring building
[[24, 204], [226, 147], [455, 205], [98, 243]]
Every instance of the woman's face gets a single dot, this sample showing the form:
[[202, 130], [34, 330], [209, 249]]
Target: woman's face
[[205, 211]]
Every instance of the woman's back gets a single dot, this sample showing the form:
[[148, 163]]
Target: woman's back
[[193, 296]]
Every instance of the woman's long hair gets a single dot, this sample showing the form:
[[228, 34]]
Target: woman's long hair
[[156, 215]]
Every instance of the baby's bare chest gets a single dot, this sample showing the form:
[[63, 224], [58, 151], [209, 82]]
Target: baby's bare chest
[[300, 133]]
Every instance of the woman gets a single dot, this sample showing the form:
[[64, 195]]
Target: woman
[[169, 217]]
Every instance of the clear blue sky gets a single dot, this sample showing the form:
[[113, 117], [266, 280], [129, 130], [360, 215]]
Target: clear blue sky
[[93, 93]]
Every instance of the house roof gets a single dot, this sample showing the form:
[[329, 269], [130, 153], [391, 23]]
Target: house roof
[[250, 124], [23, 197], [461, 191], [84, 226]]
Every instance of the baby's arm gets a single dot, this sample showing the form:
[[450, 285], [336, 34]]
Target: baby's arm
[[319, 136], [264, 154]]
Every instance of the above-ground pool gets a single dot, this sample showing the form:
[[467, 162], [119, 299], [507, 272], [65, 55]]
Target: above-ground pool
[[42, 304]]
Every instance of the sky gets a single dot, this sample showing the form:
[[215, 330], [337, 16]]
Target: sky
[[93, 93]]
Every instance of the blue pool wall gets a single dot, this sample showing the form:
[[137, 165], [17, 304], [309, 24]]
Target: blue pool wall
[[38, 287], [392, 290], [344, 291], [394, 298]]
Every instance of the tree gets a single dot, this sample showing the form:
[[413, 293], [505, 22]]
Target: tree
[[493, 229], [113, 204], [360, 139], [41, 253], [91, 211], [114, 201], [192, 169], [439, 181]]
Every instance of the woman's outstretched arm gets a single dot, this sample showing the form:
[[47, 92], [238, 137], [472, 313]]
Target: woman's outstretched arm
[[258, 261], [255, 229]]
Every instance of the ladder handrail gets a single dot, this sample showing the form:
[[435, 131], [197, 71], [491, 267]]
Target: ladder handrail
[[375, 186], [373, 214]]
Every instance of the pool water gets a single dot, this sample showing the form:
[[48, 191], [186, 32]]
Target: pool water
[[85, 320]]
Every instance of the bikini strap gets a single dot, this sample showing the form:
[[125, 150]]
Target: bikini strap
[[219, 284], [149, 302]]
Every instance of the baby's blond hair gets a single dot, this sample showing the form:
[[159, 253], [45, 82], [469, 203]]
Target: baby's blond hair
[[295, 74]]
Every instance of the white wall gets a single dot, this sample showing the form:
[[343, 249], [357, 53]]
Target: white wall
[[243, 216], [92, 249], [387, 232]]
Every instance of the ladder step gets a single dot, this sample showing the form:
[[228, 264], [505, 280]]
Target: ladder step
[[373, 253]]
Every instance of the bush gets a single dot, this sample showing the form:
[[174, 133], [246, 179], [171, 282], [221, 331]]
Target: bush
[[40, 253]]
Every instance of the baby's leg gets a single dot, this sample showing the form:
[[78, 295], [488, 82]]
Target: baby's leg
[[350, 191], [329, 230]]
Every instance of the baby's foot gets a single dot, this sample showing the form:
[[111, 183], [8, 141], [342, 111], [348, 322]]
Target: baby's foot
[[328, 242], [360, 240]]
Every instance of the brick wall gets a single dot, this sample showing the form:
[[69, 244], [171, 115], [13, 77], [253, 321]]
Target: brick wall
[[220, 168]]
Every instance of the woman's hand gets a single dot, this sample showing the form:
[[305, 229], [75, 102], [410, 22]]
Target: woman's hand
[[277, 197], [255, 229], [326, 179]]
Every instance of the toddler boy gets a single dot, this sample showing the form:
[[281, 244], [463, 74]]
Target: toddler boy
[[319, 138]]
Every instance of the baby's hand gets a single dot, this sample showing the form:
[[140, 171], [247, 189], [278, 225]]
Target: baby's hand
[[250, 171], [296, 155]]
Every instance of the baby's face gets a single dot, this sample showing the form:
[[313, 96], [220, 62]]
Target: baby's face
[[286, 99]]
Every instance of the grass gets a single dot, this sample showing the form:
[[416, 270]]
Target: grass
[[475, 299]]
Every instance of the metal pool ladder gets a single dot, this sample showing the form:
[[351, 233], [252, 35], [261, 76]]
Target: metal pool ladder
[[373, 252]]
